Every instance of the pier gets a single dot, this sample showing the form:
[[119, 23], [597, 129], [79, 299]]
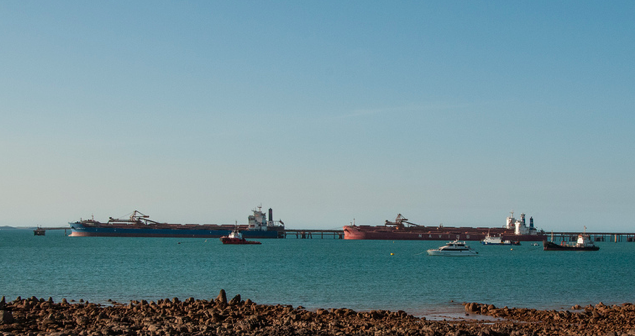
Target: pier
[[614, 237], [557, 236], [41, 231], [317, 234]]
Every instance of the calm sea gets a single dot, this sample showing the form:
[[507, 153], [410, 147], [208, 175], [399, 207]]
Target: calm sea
[[314, 273]]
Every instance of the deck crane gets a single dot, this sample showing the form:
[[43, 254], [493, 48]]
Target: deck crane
[[400, 221]]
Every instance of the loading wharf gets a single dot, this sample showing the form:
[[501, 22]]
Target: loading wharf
[[594, 236], [339, 234], [555, 236], [318, 234]]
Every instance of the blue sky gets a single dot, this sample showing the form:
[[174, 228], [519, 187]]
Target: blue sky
[[448, 112]]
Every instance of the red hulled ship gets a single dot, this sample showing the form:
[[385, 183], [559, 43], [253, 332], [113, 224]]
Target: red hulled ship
[[402, 229]]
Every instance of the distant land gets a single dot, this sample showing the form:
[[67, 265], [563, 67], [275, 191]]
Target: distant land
[[17, 228]]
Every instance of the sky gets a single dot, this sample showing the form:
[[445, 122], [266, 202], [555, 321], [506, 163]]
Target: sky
[[448, 112]]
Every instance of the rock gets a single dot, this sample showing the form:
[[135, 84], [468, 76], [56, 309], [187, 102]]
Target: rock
[[6, 317], [222, 297], [81, 320], [472, 307], [200, 317], [235, 300], [153, 327], [47, 322]]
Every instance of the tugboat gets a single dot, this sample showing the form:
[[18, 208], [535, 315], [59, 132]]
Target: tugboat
[[490, 240], [584, 243], [39, 232], [453, 249], [236, 238]]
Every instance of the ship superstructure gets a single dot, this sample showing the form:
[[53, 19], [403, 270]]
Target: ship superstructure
[[519, 226]]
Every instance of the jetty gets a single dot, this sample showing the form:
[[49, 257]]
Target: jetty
[[555, 236], [614, 237], [41, 231], [310, 234]]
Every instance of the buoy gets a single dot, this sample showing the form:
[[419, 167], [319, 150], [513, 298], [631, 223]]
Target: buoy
[[392, 254], [511, 249]]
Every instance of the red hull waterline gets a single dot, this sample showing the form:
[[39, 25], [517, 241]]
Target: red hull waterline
[[422, 233]]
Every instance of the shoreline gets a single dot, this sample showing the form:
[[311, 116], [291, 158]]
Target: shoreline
[[221, 316]]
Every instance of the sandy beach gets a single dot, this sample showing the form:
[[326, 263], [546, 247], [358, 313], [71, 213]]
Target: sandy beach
[[220, 316]]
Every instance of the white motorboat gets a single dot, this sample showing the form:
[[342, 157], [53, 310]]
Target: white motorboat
[[498, 240], [454, 249]]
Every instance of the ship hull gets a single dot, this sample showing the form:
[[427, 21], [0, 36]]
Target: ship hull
[[238, 241], [549, 246], [437, 253], [432, 233], [176, 231]]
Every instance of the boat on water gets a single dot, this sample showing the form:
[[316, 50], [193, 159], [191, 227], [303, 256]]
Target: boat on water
[[236, 238], [583, 243], [453, 249], [498, 240], [140, 225], [39, 231], [402, 229]]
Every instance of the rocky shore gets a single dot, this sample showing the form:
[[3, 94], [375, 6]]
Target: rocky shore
[[220, 316]]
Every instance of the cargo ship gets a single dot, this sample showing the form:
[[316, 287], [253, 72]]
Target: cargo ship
[[402, 229], [583, 243], [140, 225]]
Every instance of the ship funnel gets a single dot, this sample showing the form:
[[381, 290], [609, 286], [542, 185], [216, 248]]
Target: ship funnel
[[522, 218], [531, 222], [270, 215]]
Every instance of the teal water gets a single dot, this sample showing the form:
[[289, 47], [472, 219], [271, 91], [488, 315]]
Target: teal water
[[314, 273]]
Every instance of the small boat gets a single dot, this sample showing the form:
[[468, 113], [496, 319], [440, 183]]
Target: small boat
[[583, 243], [236, 238], [490, 240], [453, 249], [39, 231]]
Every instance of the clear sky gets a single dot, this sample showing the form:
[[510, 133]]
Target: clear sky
[[452, 112]]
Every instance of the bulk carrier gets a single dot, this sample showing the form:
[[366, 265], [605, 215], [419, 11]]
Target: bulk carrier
[[139, 225], [401, 229]]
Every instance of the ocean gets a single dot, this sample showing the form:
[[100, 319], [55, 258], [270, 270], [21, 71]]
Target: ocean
[[314, 273]]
